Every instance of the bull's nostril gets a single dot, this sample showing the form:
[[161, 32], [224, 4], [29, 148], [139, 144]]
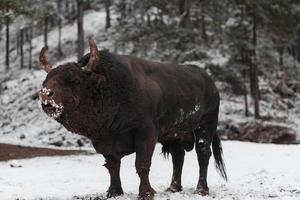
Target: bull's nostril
[[50, 93]]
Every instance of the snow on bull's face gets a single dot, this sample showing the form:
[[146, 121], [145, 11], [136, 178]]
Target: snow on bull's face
[[51, 108], [65, 89], [56, 96]]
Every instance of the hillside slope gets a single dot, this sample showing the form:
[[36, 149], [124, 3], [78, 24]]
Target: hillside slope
[[23, 122]]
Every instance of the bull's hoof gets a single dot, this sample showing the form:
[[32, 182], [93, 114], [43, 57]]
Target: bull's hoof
[[202, 191], [174, 188], [149, 195], [113, 192]]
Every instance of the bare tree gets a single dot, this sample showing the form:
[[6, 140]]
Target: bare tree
[[185, 15], [80, 47], [280, 50], [7, 20], [60, 53], [245, 93], [30, 47], [18, 43], [21, 48], [46, 31], [107, 10], [253, 67]]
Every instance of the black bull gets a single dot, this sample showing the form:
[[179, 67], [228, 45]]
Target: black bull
[[126, 104]]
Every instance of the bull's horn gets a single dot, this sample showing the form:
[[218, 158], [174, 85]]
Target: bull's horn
[[94, 55], [43, 61]]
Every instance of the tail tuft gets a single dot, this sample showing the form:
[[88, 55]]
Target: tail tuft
[[218, 151], [165, 150]]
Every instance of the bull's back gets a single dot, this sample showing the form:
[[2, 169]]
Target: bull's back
[[186, 88], [186, 92]]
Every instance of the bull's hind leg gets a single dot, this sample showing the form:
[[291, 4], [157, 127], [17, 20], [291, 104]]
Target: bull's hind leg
[[177, 151], [204, 136], [113, 166]]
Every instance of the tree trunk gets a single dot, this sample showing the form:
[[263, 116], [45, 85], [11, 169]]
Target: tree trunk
[[60, 53], [46, 32], [298, 51], [245, 61], [203, 25], [7, 40], [294, 54], [185, 18], [253, 68], [107, 10], [30, 48], [245, 95], [21, 48], [281, 51], [181, 6], [80, 49], [148, 20], [18, 43]]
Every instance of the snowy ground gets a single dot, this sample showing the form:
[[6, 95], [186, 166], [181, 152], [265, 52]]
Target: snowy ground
[[256, 171]]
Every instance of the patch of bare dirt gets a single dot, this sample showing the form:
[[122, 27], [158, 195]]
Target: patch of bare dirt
[[12, 152]]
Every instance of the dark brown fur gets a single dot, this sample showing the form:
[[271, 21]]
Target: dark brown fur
[[127, 104]]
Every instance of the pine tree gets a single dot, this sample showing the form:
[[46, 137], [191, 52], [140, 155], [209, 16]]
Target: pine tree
[[9, 10]]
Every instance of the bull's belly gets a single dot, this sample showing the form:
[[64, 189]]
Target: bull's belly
[[180, 128], [117, 145]]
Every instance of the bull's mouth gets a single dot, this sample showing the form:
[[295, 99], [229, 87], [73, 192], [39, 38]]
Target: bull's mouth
[[52, 109]]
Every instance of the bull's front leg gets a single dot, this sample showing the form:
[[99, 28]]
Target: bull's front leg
[[113, 166], [144, 146]]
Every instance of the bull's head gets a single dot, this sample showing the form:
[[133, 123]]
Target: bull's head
[[67, 85]]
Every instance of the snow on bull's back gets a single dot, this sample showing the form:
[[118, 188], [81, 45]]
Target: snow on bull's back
[[256, 171]]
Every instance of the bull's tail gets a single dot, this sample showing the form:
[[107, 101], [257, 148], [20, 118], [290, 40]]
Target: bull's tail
[[218, 151]]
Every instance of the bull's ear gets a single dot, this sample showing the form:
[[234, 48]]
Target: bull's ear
[[94, 55], [43, 61]]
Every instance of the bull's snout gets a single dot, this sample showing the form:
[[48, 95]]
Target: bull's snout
[[53, 109]]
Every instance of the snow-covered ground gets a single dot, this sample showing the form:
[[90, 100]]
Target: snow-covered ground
[[256, 171]]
